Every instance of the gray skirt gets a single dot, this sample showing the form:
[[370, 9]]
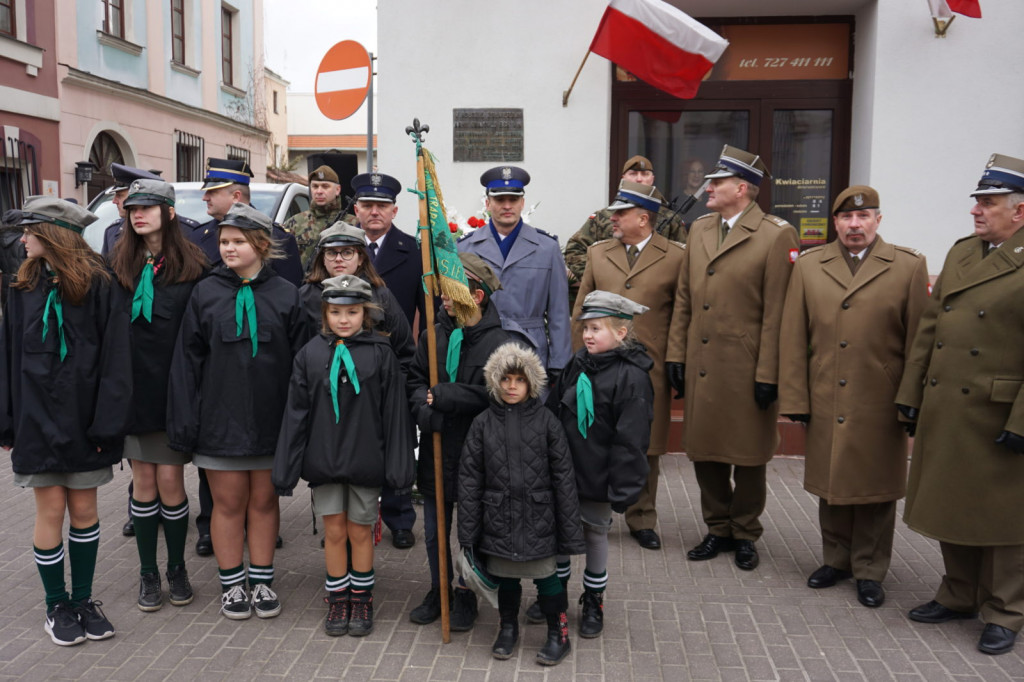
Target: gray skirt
[[75, 480], [152, 447], [535, 568], [253, 463]]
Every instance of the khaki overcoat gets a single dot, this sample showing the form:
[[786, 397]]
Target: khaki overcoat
[[966, 373], [654, 282], [730, 306], [844, 341]]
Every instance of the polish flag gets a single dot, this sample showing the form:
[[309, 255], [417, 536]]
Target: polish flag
[[944, 9], [659, 44]]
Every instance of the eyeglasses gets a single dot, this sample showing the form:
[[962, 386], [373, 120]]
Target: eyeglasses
[[342, 254]]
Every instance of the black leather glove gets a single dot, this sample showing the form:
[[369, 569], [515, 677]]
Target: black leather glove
[[802, 418], [909, 413], [765, 394], [1012, 441], [619, 507], [676, 377]]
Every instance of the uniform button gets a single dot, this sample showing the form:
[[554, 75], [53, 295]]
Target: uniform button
[[948, 308], [842, 382], [934, 381], [711, 271], [981, 313], [965, 390], [703, 373], [628, 285], [846, 306], [706, 306], [841, 420], [974, 351], [939, 344], [704, 340], [843, 344]]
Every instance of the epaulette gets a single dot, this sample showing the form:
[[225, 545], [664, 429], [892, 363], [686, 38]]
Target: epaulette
[[546, 233], [681, 245], [706, 215], [188, 222], [465, 236], [963, 239], [907, 249], [813, 249], [781, 222], [603, 241], [282, 228]]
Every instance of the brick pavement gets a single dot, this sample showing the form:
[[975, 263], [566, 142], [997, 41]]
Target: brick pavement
[[665, 617]]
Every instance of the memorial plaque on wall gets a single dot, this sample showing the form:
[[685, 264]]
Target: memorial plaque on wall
[[487, 135]]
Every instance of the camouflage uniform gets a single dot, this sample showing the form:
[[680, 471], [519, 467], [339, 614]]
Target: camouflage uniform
[[599, 226], [308, 225]]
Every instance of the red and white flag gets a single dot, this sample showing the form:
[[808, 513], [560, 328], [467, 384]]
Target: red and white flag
[[945, 8], [659, 44]]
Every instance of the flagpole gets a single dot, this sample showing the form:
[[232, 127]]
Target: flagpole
[[565, 95], [417, 133]]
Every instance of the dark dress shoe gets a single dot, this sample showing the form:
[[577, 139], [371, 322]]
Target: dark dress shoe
[[870, 593], [995, 639], [128, 529], [934, 612], [826, 576], [646, 538], [280, 542], [746, 555], [403, 539], [204, 545], [709, 548]]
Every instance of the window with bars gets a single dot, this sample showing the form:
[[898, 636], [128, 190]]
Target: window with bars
[[189, 154], [178, 31], [18, 176], [113, 17], [7, 25], [226, 46], [237, 153]]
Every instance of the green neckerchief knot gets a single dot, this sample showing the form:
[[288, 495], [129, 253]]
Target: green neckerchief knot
[[341, 355], [451, 363], [584, 403], [53, 301], [245, 306], [142, 302]]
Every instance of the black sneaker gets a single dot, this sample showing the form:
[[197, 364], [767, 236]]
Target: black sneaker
[[150, 596], [336, 623], [428, 611], [63, 626], [179, 589], [93, 620], [265, 601], [234, 603], [360, 620], [464, 610]]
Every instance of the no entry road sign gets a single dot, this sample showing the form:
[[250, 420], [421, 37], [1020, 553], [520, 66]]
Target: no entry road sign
[[342, 80]]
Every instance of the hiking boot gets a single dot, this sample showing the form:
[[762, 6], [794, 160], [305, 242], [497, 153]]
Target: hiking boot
[[430, 609], [63, 626], [592, 616], [360, 620], [336, 623], [464, 610], [150, 596], [265, 601], [93, 620], [234, 603], [557, 646], [179, 589]]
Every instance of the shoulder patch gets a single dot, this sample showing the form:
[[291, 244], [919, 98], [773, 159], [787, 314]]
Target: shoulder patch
[[813, 249], [592, 216]]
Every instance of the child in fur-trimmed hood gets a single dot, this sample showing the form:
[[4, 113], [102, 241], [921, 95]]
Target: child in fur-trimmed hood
[[518, 505]]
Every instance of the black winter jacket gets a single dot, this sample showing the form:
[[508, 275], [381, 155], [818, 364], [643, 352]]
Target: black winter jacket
[[371, 444], [517, 491], [455, 404], [221, 401], [611, 462], [391, 319], [55, 413], [152, 349]]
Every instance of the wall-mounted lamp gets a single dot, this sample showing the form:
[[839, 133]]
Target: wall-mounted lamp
[[83, 172]]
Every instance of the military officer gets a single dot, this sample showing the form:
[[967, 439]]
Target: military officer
[[736, 269], [645, 267], [324, 209], [599, 225], [850, 315], [534, 299], [964, 374], [123, 177]]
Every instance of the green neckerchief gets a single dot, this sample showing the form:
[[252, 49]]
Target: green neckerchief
[[584, 403], [245, 306], [142, 302], [341, 355], [53, 301], [451, 363]]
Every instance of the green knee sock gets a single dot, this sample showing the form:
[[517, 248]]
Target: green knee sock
[[362, 581], [261, 574], [146, 516], [50, 563], [175, 520], [83, 545], [229, 577]]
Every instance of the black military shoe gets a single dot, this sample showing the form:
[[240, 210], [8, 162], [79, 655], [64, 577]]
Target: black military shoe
[[870, 593], [934, 612], [204, 545], [710, 547], [128, 529], [995, 639], [746, 555], [826, 576], [646, 538], [403, 538]]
